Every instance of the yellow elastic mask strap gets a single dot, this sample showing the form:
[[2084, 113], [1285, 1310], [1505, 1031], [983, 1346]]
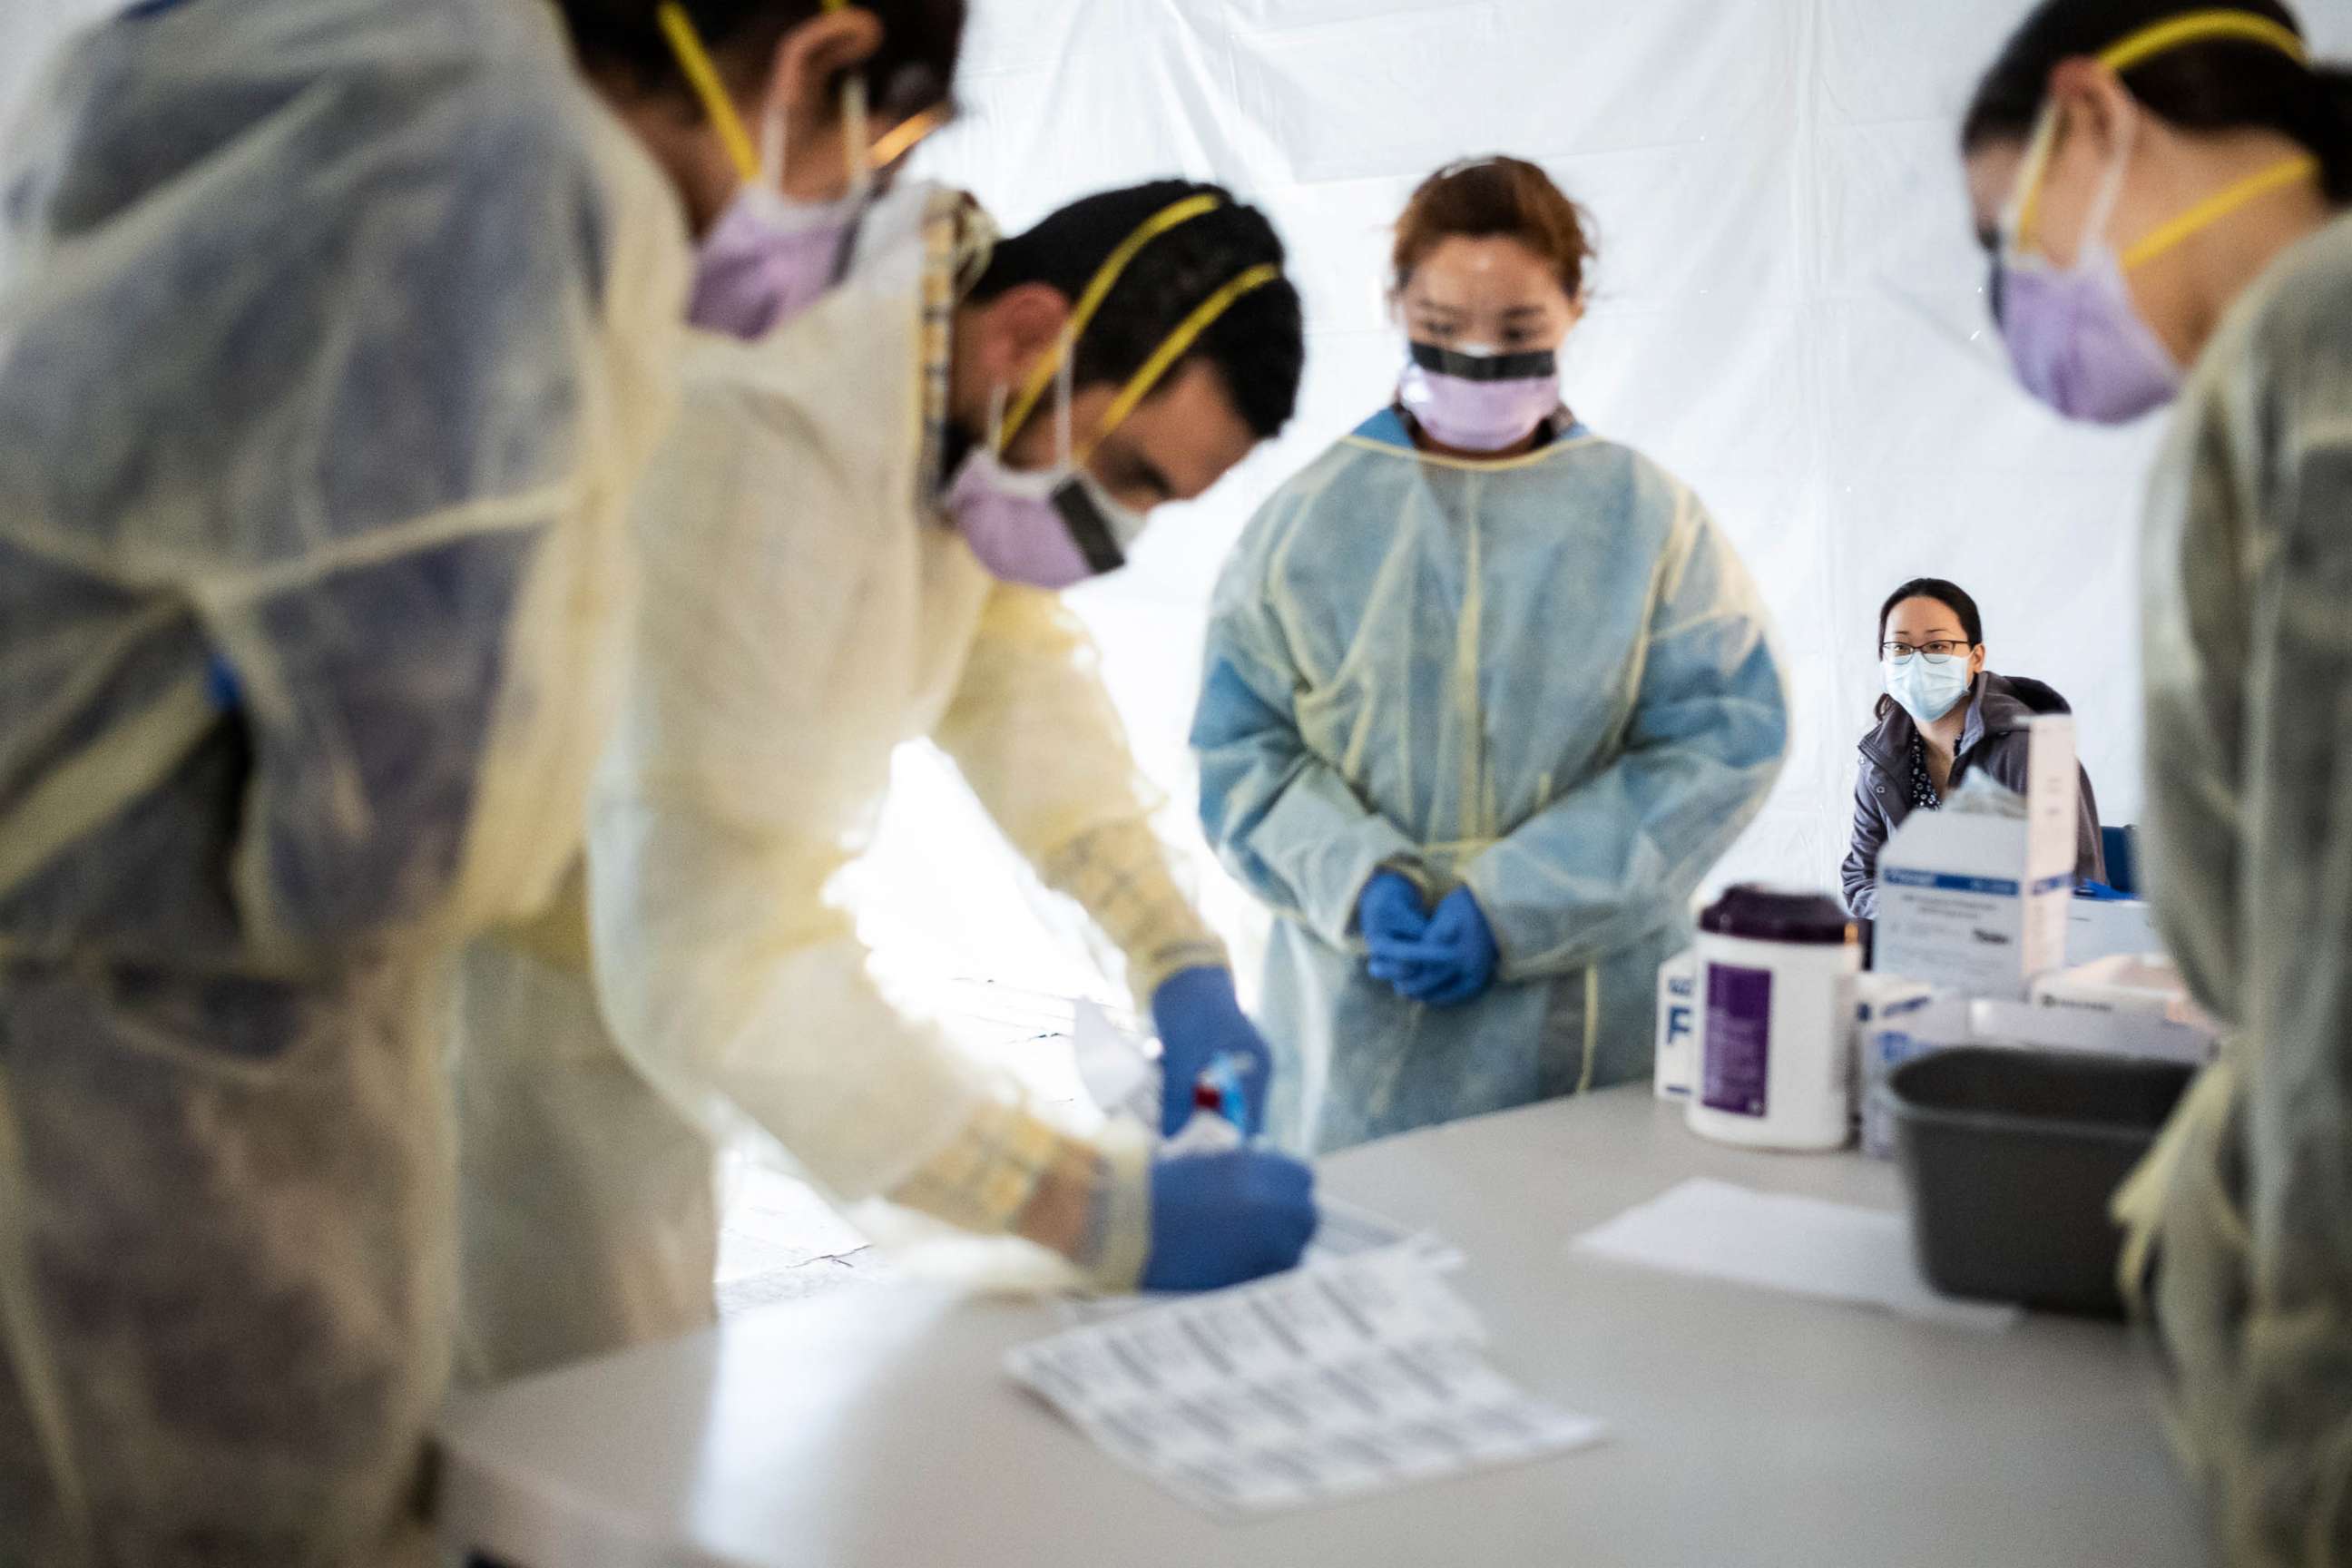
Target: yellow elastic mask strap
[[2138, 49], [2029, 180], [1179, 343], [907, 135], [1105, 276], [2207, 213], [702, 74], [710, 89], [2202, 28]]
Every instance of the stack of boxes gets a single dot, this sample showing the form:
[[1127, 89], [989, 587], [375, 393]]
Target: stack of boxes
[[1977, 907], [1978, 925]]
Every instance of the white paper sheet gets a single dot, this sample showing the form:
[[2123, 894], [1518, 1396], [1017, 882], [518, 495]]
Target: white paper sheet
[[1361, 1375], [1343, 1230], [1803, 1246]]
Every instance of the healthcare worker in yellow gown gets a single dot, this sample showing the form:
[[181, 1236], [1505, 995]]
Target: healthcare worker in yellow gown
[[1487, 696], [588, 1212], [333, 335], [855, 540], [2164, 188]]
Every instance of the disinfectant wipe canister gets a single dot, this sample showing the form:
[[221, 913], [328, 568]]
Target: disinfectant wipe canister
[[1775, 996]]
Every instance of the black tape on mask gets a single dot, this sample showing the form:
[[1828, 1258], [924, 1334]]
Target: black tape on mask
[[1531, 366], [1089, 529]]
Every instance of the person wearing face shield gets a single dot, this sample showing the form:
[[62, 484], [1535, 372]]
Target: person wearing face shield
[[2164, 189], [588, 1215], [1945, 716], [851, 540], [1485, 696]]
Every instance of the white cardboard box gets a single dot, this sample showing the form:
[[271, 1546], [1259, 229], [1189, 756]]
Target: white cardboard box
[[1677, 1066], [1904, 1023], [1979, 904], [2103, 927], [2123, 982], [2119, 1034], [1917, 1023]]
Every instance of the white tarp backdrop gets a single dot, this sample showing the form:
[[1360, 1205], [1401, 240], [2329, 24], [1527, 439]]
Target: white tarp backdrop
[[1787, 314]]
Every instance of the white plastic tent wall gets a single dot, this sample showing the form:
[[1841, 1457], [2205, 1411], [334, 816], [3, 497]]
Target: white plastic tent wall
[[1788, 314]]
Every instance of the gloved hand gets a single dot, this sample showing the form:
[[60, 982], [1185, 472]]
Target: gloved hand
[[1199, 1019], [1392, 918], [1391, 910], [222, 685], [1451, 964], [1222, 1219]]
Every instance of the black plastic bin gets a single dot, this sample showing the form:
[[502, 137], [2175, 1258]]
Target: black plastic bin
[[2012, 1157]]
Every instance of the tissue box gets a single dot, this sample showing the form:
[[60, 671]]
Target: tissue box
[[2105, 928], [1978, 901], [1677, 1060]]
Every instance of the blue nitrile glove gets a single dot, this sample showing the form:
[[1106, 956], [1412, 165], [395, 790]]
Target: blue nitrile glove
[[222, 685], [1391, 910], [1392, 917], [1455, 961], [1222, 1219], [1201, 1019]]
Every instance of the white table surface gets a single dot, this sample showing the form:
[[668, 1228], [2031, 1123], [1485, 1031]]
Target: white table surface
[[874, 1428]]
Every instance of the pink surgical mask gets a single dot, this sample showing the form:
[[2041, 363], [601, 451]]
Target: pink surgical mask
[[1057, 526], [1045, 528], [2074, 335], [1052, 528], [767, 259], [1479, 401]]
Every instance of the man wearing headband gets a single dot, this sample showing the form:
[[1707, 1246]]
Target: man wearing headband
[[853, 540]]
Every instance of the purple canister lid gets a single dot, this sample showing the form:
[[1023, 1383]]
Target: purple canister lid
[[1754, 913]]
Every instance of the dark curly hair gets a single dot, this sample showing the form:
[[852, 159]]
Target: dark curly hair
[[1258, 346]]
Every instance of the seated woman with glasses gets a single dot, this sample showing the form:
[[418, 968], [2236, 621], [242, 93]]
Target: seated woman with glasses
[[1944, 715]]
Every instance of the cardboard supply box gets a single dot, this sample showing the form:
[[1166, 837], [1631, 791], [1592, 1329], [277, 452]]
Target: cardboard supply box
[[2146, 1035], [1975, 900], [1904, 1023], [1677, 1060], [2109, 927], [1914, 1023], [2151, 985]]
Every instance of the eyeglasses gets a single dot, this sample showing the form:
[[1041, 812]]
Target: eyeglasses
[[1937, 652]]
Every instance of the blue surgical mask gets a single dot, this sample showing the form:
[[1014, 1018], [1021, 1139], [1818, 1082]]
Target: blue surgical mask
[[1927, 691]]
